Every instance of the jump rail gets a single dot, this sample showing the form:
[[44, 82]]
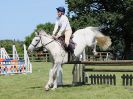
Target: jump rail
[[123, 62], [84, 65]]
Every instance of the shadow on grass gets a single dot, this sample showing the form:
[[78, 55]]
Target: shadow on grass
[[73, 85], [36, 87], [64, 85], [129, 88]]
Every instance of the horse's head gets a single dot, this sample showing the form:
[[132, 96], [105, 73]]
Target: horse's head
[[36, 42]]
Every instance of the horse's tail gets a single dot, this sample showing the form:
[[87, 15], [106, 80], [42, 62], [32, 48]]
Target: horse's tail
[[103, 41]]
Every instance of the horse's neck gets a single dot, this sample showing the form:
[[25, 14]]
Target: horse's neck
[[48, 42], [46, 39], [52, 46]]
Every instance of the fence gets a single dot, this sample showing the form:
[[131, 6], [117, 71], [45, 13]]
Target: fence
[[45, 57], [127, 79], [101, 56], [36, 58], [99, 79]]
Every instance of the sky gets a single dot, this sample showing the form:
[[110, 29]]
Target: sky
[[19, 18]]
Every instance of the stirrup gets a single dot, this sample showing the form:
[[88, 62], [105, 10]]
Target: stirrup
[[66, 48]]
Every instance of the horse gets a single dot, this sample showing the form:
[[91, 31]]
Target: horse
[[89, 36]]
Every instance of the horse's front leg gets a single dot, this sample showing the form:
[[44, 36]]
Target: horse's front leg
[[50, 81], [49, 84]]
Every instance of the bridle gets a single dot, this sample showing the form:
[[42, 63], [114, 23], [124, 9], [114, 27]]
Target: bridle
[[40, 40], [37, 42]]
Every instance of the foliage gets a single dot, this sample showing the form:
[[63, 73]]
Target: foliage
[[7, 44], [114, 15], [48, 27]]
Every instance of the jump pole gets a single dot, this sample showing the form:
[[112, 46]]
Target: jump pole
[[27, 61], [4, 54], [77, 71], [14, 53]]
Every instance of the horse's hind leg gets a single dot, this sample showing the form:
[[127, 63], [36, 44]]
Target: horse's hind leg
[[55, 84], [94, 47]]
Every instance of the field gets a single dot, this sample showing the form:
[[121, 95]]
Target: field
[[31, 86]]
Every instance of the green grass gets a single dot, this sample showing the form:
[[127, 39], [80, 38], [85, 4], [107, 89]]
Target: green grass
[[31, 86]]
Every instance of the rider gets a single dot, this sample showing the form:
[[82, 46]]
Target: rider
[[62, 26]]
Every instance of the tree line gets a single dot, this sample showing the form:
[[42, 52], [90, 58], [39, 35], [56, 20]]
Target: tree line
[[7, 44]]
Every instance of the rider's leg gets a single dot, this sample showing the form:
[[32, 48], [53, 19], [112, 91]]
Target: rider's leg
[[68, 34], [67, 39]]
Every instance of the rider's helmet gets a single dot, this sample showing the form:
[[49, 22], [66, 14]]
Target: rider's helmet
[[61, 9]]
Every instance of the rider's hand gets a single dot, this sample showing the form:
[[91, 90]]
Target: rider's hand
[[54, 37], [57, 36]]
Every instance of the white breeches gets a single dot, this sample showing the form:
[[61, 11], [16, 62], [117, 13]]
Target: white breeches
[[68, 34]]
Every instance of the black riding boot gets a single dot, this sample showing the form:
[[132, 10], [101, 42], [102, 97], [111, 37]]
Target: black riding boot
[[70, 49]]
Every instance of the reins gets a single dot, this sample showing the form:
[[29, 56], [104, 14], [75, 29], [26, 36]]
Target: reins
[[40, 40]]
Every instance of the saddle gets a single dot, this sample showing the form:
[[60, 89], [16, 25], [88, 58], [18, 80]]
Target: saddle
[[71, 45], [70, 48]]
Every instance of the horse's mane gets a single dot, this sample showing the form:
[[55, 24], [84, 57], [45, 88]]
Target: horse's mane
[[44, 33]]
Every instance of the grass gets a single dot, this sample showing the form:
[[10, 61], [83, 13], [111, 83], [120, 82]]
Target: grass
[[31, 86]]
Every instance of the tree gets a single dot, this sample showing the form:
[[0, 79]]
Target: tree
[[7, 44], [48, 27], [127, 25], [114, 15]]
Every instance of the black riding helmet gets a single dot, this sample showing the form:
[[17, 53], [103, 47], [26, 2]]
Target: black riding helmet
[[61, 9]]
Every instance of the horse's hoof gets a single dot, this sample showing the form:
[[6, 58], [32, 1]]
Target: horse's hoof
[[46, 89], [53, 89], [95, 53], [51, 86]]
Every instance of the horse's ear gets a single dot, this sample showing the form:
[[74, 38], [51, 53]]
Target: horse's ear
[[42, 32], [36, 33]]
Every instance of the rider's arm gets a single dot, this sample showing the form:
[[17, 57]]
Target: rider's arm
[[55, 28], [64, 22], [63, 27]]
